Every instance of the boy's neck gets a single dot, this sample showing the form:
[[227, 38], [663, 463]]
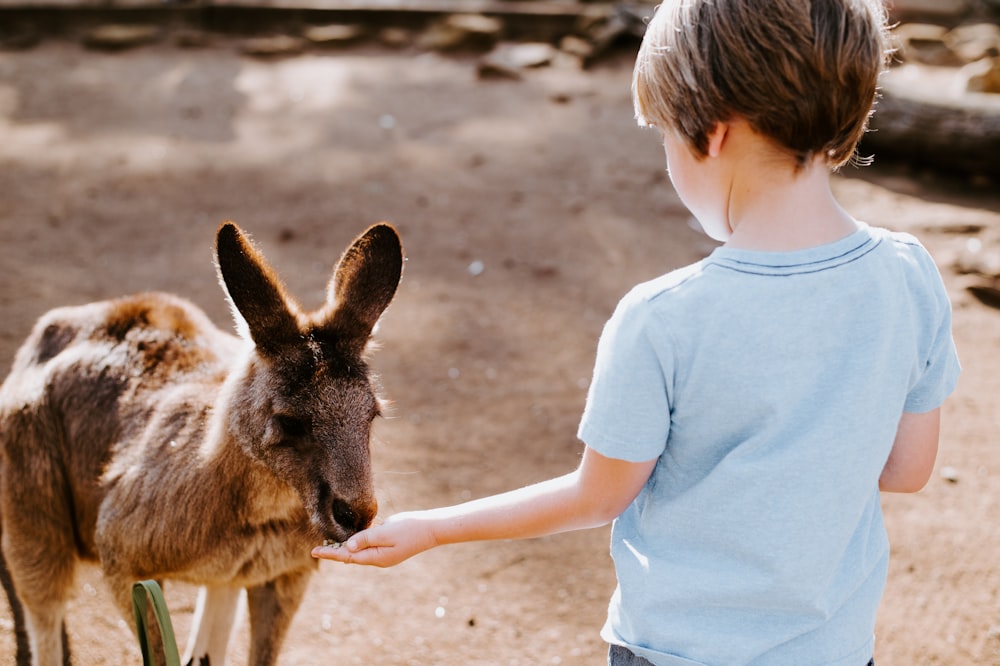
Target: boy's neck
[[781, 209]]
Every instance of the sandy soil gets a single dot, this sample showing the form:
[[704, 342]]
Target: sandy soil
[[116, 169]]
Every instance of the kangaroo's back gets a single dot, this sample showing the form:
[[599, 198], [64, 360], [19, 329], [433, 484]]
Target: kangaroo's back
[[80, 381]]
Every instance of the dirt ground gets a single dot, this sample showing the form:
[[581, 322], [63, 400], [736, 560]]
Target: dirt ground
[[527, 209]]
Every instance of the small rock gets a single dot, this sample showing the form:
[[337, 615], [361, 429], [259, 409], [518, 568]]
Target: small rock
[[273, 46], [975, 41], [925, 43], [508, 59], [949, 474], [487, 68], [528, 54], [334, 35], [114, 37], [395, 38], [462, 32], [982, 76], [576, 46], [545, 271]]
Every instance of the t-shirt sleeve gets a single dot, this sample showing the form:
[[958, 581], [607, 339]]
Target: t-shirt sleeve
[[942, 368], [627, 415]]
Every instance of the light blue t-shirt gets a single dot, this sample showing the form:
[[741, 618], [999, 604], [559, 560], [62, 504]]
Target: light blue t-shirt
[[769, 386]]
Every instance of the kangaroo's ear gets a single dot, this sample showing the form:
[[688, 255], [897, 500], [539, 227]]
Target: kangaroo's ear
[[364, 283], [261, 308]]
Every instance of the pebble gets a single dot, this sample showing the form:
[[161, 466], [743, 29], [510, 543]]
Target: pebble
[[334, 34], [273, 46], [462, 31], [113, 37]]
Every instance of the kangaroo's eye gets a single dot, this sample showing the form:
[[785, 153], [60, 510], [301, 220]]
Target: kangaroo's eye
[[291, 426]]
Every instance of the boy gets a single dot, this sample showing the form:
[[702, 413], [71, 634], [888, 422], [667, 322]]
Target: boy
[[746, 410]]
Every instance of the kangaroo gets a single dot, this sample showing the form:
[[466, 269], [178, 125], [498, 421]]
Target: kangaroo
[[135, 433]]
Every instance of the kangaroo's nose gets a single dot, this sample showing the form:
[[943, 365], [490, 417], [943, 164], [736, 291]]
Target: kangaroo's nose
[[355, 517]]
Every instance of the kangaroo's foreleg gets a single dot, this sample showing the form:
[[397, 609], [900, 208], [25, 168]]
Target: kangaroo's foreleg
[[272, 607]]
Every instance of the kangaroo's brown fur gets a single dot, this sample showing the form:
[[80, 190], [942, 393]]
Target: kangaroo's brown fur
[[135, 433]]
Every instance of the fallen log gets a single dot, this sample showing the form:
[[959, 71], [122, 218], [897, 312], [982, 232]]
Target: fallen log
[[926, 117]]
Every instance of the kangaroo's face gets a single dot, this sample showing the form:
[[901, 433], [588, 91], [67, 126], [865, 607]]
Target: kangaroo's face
[[307, 416], [305, 403]]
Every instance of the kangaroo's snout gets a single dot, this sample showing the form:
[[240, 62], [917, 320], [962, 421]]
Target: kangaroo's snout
[[354, 517]]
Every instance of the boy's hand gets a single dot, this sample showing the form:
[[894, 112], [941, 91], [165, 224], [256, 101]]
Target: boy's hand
[[401, 537], [592, 495]]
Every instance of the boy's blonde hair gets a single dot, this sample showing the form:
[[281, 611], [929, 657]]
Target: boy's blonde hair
[[802, 72]]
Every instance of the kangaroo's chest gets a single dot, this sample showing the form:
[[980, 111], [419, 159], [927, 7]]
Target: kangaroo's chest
[[201, 544], [246, 562]]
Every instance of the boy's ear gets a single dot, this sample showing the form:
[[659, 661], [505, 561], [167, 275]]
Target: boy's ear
[[717, 138]]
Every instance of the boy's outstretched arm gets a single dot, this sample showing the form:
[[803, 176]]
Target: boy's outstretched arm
[[914, 450], [596, 493]]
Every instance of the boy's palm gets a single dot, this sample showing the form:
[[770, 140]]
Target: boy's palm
[[401, 537]]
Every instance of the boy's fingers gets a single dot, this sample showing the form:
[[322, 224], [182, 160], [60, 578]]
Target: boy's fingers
[[330, 553], [370, 556], [360, 541], [343, 552]]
